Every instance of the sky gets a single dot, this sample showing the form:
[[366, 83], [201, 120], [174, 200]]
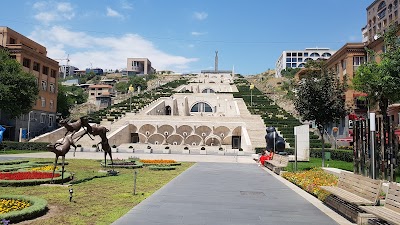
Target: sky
[[183, 35]]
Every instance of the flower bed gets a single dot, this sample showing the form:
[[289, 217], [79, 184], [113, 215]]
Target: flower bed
[[16, 208], [162, 167], [28, 178], [158, 161], [124, 164], [28, 175], [311, 180], [43, 168]]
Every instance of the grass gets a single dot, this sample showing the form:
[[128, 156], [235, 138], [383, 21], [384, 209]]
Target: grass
[[9, 152], [96, 201], [317, 162]]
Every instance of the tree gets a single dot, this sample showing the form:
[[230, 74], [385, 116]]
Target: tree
[[320, 97], [18, 89], [138, 81], [122, 87], [68, 96], [381, 80]]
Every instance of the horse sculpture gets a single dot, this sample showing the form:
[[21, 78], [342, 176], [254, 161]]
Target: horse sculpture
[[105, 146], [61, 149]]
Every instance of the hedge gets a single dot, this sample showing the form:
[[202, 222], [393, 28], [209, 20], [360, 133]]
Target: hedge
[[38, 208], [34, 146], [162, 168]]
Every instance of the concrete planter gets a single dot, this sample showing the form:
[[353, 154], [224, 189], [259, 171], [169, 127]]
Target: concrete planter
[[186, 151], [221, 152], [203, 152], [166, 151], [148, 150], [240, 152]]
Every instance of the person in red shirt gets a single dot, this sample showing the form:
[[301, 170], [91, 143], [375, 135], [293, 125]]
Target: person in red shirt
[[265, 156]]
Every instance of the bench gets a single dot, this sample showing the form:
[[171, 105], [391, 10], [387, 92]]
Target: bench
[[277, 163], [390, 212], [352, 192]]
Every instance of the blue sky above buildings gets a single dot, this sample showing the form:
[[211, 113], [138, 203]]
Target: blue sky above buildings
[[182, 35]]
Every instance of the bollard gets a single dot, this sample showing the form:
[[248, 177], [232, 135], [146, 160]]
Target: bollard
[[134, 182]]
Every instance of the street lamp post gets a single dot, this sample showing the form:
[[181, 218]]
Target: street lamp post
[[131, 89], [29, 124]]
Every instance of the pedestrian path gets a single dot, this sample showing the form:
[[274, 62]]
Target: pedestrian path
[[225, 193]]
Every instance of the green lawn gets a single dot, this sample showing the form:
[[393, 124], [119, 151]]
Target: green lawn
[[317, 162], [96, 201]]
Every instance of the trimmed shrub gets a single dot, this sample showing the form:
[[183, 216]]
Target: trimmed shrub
[[38, 208], [161, 167], [34, 146]]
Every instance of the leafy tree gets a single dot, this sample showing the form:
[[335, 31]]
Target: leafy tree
[[381, 80], [122, 87], [289, 72], [68, 96], [18, 89], [320, 97], [137, 81]]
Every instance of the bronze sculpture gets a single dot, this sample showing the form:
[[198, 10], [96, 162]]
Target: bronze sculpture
[[61, 149]]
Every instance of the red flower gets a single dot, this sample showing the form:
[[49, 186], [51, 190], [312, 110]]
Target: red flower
[[26, 175]]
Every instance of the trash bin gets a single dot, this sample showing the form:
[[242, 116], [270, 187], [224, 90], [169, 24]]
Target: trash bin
[[327, 155]]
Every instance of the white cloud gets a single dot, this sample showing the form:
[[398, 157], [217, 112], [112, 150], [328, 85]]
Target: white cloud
[[200, 15], [113, 13], [126, 4], [104, 52], [195, 33], [191, 45], [50, 11]]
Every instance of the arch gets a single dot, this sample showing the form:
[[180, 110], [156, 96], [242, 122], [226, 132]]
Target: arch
[[213, 140], [147, 129], [201, 107], [175, 138], [227, 140], [302, 65], [184, 129], [314, 54], [194, 138], [132, 128], [307, 59], [326, 54], [237, 131], [203, 131], [381, 5], [222, 131], [168, 110], [208, 90], [156, 138], [142, 138], [165, 128]]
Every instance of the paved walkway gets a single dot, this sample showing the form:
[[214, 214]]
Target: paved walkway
[[225, 193]]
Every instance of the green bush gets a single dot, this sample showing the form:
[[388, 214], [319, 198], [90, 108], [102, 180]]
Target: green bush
[[34, 146], [161, 167], [38, 208]]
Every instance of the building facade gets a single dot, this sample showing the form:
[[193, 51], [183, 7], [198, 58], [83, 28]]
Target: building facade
[[34, 60], [139, 66], [298, 58], [380, 14], [67, 70], [100, 95]]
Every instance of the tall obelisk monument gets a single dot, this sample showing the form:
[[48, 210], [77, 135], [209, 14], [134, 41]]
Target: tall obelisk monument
[[216, 62]]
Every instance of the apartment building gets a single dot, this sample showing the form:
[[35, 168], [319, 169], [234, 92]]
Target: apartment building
[[139, 66], [380, 14], [100, 95], [33, 58], [67, 70], [298, 58]]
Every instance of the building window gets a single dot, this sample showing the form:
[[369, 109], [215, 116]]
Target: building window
[[43, 102], [36, 66], [288, 65], [51, 104], [100, 89], [382, 14], [314, 54], [288, 59], [92, 93], [53, 73], [294, 65], [201, 107], [396, 3], [343, 63], [300, 59], [308, 59], [208, 90], [26, 63], [98, 93], [358, 60], [300, 54], [45, 70], [305, 54], [51, 120], [381, 5], [326, 54], [288, 54], [12, 41], [52, 88], [301, 65], [294, 54], [42, 117], [44, 85]]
